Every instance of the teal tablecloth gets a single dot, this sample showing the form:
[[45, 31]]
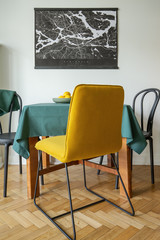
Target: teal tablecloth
[[50, 119], [131, 130], [6, 98]]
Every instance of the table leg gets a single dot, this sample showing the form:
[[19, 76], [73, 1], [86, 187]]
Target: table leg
[[32, 164], [109, 160], [125, 167]]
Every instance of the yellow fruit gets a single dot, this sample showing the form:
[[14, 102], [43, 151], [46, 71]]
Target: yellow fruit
[[66, 93], [61, 97], [67, 96]]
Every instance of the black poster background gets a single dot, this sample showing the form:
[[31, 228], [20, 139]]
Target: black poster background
[[76, 38]]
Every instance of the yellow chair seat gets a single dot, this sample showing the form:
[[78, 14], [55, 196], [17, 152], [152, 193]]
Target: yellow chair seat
[[54, 146]]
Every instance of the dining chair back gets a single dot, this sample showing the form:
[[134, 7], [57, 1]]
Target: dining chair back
[[7, 138], [149, 97], [91, 119]]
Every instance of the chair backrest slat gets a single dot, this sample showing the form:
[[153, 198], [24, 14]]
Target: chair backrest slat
[[151, 114]]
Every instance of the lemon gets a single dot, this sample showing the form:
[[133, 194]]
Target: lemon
[[66, 93], [67, 96], [61, 96]]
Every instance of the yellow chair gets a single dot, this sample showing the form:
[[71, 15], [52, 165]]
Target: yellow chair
[[93, 130]]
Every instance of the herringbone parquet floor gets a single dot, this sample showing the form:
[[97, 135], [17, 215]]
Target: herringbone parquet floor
[[19, 219]]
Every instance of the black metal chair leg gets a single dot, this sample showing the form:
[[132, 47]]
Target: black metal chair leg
[[117, 182], [85, 184], [117, 177], [35, 193], [151, 159], [64, 214], [5, 170], [52, 219], [20, 164], [100, 162], [70, 201]]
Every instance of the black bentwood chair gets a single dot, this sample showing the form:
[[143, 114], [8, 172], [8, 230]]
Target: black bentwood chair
[[89, 134], [146, 124], [7, 140]]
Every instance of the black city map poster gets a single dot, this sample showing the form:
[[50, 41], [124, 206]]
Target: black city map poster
[[76, 38]]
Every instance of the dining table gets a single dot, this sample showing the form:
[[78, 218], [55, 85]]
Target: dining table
[[50, 119]]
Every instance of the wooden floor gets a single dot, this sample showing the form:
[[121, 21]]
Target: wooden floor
[[20, 219]]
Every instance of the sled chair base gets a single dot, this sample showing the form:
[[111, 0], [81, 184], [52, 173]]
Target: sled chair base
[[84, 162]]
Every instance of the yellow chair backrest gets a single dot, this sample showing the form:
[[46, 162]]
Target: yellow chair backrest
[[94, 122]]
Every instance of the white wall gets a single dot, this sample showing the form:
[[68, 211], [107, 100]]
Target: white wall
[[138, 54]]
